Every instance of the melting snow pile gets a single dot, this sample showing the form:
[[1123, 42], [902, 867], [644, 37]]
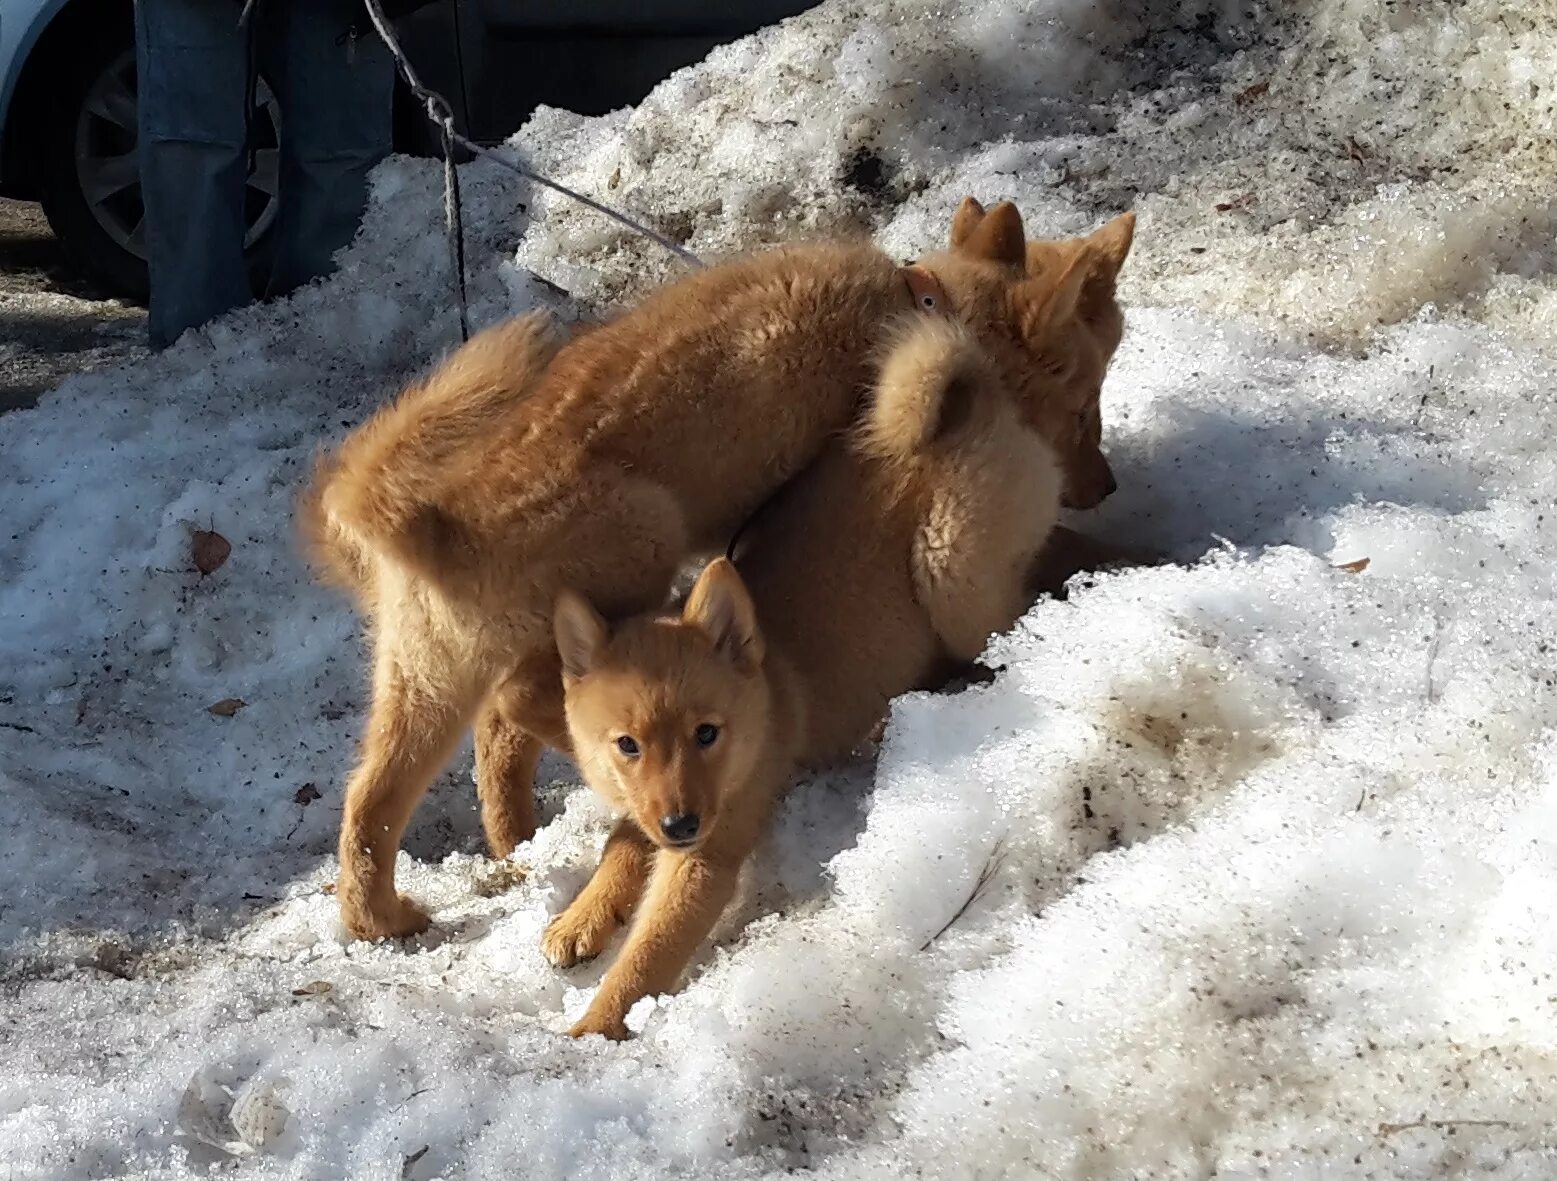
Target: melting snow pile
[[1241, 867]]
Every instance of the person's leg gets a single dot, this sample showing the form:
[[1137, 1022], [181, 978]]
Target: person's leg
[[190, 60], [335, 82]]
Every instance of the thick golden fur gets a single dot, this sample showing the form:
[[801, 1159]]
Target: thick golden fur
[[892, 558], [519, 468]]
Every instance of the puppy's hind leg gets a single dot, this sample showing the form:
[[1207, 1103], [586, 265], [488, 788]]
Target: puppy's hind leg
[[417, 719]]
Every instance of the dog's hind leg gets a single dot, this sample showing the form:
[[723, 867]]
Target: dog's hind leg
[[418, 716], [506, 757], [517, 721]]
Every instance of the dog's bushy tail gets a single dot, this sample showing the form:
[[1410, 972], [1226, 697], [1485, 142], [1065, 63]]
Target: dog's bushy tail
[[379, 491], [929, 381], [934, 373]]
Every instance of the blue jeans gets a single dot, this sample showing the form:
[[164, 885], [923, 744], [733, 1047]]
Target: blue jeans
[[333, 81]]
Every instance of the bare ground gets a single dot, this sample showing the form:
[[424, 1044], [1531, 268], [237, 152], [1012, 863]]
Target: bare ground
[[53, 323]]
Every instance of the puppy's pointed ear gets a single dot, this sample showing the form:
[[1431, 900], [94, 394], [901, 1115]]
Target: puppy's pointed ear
[[1058, 306], [721, 606], [1111, 244], [965, 221], [581, 634], [998, 237]]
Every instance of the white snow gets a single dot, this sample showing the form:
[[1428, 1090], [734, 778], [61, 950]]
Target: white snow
[[1267, 844]]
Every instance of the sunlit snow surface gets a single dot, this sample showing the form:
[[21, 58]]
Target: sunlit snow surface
[[1267, 844]]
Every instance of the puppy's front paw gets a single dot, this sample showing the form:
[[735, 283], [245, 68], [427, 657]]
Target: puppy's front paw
[[611, 1028], [396, 921], [577, 934]]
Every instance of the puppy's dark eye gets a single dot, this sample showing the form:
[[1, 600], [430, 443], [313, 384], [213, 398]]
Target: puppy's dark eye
[[628, 746], [706, 734]]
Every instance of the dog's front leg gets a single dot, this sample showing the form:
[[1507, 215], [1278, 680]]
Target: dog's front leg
[[580, 932], [687, 893]]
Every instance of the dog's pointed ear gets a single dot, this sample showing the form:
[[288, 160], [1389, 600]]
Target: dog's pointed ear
[[998, 237], [966, 220], [721, 606], [580, 632], [1111, 244]]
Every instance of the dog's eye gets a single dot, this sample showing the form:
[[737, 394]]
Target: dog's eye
[[628, 746], [706, 734]]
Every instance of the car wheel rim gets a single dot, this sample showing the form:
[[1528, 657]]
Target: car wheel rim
[[109, 173]]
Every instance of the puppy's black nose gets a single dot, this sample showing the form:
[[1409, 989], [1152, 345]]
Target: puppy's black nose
[[679, 830], [1112, 486]]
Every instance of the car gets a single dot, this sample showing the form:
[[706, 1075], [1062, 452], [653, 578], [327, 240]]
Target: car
[[68, 97]]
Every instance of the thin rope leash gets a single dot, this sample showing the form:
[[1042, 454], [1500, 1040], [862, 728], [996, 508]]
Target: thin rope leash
[[441, 114]]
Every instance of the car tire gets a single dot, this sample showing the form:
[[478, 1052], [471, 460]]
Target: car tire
[[97, 231], [87, 245]]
